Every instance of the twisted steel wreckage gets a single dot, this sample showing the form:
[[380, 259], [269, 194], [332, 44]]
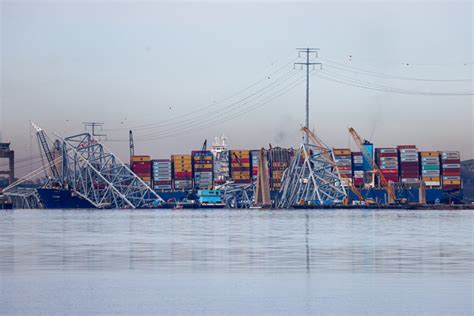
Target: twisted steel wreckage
[[83, 173]]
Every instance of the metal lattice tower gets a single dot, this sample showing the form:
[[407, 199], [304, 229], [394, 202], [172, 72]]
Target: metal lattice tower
[[308, 51], [97, 175], [311, 176]]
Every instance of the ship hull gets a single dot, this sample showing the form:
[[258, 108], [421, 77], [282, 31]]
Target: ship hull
[[64, 199]]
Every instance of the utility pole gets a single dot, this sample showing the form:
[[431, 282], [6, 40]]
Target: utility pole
[[92, 126], [307, 51]]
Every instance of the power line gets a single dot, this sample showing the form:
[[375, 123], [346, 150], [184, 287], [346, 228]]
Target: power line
[[220, 121], [221, 115], [331, 76], [383, 75], [205, 117], [214, 104]]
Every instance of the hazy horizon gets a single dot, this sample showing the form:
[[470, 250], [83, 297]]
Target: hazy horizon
[[130, 64]]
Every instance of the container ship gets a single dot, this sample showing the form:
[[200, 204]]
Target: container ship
[[181, 176]]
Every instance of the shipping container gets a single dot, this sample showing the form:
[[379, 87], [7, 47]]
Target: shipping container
[[138, 158], [409, 164]]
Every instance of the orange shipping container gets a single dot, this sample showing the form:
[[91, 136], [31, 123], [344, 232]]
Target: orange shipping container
[[429, 153], [341, 151], [451, 182], [180, 157], [140, 158], [242, 164]]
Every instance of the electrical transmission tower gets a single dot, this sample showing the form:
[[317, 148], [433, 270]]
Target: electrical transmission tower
[[308, 51], [92, 127]]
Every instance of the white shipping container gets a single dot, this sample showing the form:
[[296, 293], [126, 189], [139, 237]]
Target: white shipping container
[[451, 166], [433, 183], [410, 180], [451, 178]]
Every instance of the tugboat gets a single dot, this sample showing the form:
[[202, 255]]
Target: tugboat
[[190, 202]]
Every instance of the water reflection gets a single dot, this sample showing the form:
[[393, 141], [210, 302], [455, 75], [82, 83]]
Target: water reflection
[[237, 241]]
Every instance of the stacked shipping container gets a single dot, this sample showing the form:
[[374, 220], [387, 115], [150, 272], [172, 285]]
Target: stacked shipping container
[[203, 170], [344, 164], [182, 172], [254, 154], [451, 170], [240, 166], [358, 169], [409, 167], [161, 174], [387, 160], [430, 168], [403, 164], [141, 166], [279, 159]]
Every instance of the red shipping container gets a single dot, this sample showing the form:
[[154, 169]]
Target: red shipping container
[[389, 171], [451, 186], [183, 174], [141, 168], [240, 169], [162, 182], [454, 161], [233, 159], [202, 169], [449, 174], [141, 163], [452, 169]]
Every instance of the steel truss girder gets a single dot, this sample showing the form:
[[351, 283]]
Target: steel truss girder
[[97, 175], [311, 176], [237, 195], [24, 198]]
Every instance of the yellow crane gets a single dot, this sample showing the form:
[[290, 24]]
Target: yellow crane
[[366, 154], [325, 153]]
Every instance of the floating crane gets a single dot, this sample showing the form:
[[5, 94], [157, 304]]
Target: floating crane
[[319, 143], [383, 181]]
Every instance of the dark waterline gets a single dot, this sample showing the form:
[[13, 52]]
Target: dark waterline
[[236, 262]]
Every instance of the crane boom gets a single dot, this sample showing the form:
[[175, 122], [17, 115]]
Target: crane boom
[[131, 144], [47, 151], [319, 144], [366, 154]]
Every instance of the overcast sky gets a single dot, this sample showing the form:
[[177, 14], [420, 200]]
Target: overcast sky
[[129, 64]]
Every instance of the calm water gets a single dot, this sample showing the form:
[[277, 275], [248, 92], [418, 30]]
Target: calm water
[[236, 262]]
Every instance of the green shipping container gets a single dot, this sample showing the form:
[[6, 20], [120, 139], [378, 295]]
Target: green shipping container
[[430, 167]]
